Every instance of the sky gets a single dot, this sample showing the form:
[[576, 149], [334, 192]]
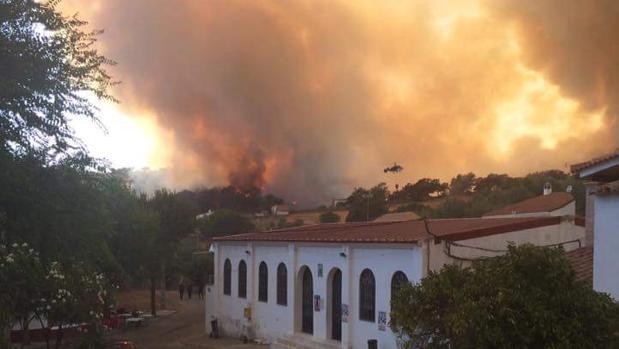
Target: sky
[[308, 99]]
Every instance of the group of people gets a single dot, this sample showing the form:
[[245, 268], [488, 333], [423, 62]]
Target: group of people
[[188, 286]]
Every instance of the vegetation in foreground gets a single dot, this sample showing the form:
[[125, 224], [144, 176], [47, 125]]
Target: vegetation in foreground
[[528, 298]]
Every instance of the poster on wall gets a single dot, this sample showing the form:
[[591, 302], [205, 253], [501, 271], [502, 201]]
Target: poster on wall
[[344, 312], [382, 320], [317, 303], [319, 270]]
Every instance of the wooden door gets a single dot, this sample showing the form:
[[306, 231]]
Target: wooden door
[[307, 312], [336, 306]]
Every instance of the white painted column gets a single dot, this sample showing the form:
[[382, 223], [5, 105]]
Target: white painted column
[[291, 267], [212, 292], [251, 282], [347, 296]]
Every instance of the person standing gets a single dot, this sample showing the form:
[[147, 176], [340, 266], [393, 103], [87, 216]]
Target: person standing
[[201, 290], [189, 289], [181, 289]]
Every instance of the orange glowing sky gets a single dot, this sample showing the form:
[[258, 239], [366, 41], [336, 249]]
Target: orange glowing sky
[[310, 98]]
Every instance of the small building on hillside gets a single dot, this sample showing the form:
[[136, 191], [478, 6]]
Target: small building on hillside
[[280, 210], [330, 285], [548, 204], [602, 212]]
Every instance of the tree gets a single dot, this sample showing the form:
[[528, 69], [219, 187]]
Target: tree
[[329, 217], [364, 205], [22, 277], [493, 182], [423, 190], [176, 221], [527, 298], [225, 222], [49, 66], [462, 184]]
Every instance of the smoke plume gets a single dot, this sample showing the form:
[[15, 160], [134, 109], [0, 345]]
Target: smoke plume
[[310, 98]]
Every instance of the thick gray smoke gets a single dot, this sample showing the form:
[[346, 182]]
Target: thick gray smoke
[[310, 98]]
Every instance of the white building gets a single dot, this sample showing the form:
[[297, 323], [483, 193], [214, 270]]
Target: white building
[[330, 285], [280, 210], [603, 219]]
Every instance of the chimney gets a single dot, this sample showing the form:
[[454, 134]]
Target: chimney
[[547, 189]]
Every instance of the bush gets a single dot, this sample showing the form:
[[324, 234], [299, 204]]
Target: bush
[[329, 217], [526, 298]]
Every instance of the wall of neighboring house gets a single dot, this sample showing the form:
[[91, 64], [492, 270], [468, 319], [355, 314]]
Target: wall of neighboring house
[[606, 245], [442, 253], [271, 321]]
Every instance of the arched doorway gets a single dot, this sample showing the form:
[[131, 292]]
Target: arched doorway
[[334, 304], [307, 301]]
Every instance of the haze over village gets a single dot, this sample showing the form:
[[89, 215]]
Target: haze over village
[[309, 174]]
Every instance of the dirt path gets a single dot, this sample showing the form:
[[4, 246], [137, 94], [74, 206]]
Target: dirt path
[[183, 329]]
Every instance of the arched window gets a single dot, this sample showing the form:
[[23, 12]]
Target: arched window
[[227, 277], [398, 280], [242, 279], [367, 296], [263, 282], [282, 284]]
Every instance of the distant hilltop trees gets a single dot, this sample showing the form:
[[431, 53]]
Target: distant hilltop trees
[[466, 195]]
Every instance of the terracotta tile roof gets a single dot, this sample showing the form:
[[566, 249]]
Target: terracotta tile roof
[[398, 232], [538, 204], [584, 165], [582, 262]]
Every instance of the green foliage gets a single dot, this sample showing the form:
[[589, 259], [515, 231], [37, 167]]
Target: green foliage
[[364, 205], [329, 217], [48, 63], [462, 184], [245, 200], [60, 293], [22, 276], [526, 298], [58, 208], [499, 190], [225, 222], [283, 223], [422, 190]]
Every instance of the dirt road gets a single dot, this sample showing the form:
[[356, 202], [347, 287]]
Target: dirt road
[[183, 329]]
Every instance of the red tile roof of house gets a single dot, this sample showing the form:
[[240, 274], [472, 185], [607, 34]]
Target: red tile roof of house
[[398, 232], [538, 204], [586, 164], [582, 262]]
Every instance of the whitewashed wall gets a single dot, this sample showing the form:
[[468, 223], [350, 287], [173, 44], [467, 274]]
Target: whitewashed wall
[[271, 321], [606, 245], [542, 236]]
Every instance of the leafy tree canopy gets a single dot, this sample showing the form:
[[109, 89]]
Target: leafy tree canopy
[[422, 190], [49, 65], [329, 217], [524, 299], [364, 204], [462, 184], [225, 222]]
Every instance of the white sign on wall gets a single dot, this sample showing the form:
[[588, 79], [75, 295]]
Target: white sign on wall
[[382, 320]]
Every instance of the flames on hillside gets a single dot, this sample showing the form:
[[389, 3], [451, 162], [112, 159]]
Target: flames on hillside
[[310, 98]]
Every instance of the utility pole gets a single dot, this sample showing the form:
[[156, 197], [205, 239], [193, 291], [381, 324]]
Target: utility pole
[[367, 208]]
